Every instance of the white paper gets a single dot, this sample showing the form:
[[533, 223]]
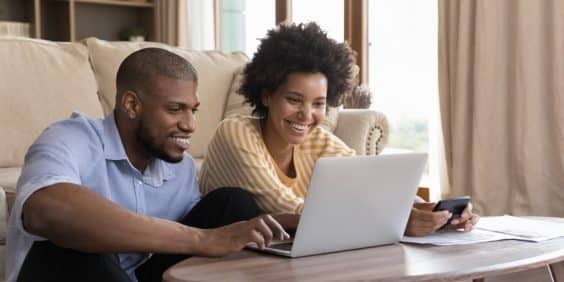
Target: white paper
[[494, 228], [525, 228], [447, 238]]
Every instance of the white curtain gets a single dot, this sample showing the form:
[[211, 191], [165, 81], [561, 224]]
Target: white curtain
[[200, 26], [501, 80]]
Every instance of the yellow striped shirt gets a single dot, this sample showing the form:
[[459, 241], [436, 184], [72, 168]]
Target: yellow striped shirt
[[238, 157]]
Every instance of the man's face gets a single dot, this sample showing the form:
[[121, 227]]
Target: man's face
[[167, 120]]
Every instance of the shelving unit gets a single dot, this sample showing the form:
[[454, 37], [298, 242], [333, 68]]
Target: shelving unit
[[72, 20], [116, 3]]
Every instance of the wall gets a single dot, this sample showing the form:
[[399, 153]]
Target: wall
[[12, 10]]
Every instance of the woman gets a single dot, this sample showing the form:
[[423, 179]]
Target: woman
[[296, 72]]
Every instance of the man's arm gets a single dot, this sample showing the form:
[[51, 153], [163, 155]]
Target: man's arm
[[75, 217]]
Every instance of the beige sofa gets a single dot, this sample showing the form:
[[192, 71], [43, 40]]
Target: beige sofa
[[42, 82]]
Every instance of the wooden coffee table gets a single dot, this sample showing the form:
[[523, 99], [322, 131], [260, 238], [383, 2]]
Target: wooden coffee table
[[399, 262]]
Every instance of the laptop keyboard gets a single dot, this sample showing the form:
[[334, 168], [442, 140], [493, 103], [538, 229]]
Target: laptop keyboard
[[282, 247]]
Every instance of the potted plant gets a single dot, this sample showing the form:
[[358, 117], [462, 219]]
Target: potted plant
[[135, 33]]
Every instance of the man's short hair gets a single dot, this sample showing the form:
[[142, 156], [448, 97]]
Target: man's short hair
[[137, 71]]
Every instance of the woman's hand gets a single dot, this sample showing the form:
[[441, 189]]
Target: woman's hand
[[467, 220], [423, 221]]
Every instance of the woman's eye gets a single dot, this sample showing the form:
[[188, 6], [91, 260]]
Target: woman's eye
[[175, 110], [293, 100], [319, 105]]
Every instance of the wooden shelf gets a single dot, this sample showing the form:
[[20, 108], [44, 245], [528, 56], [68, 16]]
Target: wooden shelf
[[72, 20], [116, 3]]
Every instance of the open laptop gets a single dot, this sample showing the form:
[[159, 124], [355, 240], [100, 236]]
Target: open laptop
[[355, 202]]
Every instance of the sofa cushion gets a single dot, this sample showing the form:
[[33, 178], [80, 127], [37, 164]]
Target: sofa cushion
[[215, 70], [235, 104], [40, 82], [8, 180]]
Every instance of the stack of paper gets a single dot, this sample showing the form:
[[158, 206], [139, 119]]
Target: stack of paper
[[495, 228]]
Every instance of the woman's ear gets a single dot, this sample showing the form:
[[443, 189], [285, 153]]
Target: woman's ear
[[265, 98]]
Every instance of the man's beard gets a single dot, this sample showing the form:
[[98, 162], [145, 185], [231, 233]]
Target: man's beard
[[151, 147]]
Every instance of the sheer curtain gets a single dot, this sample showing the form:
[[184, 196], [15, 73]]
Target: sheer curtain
[[403, 77], [186, 23], [200, 25], [501, 85]]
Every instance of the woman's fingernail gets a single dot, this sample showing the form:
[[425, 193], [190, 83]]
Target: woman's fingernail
[[454, 221]]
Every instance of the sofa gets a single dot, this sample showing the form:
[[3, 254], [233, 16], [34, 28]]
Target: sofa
[[43, 81]]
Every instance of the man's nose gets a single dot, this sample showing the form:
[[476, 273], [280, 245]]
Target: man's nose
[[188, 123]]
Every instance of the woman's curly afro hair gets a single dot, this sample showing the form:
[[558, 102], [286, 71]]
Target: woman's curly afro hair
[[297, 48]]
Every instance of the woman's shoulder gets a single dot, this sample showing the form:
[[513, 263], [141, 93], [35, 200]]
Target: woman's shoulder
[[239, 122], [321, 141], [235, 128], [320, 134]]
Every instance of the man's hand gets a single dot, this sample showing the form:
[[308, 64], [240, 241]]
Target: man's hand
[[467, 220], [288, 220], [232, 238], [423, 221]]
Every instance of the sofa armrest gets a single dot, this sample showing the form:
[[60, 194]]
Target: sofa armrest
[[366, 131], [3, 216]]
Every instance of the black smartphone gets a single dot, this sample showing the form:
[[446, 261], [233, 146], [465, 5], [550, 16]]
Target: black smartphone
[[454, 205]]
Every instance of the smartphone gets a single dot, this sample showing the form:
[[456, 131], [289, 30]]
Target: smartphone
[[454, 205]]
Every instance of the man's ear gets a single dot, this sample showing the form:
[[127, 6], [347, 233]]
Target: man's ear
[[131, 104]]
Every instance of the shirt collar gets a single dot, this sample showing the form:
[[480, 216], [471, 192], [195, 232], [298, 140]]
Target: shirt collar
[[157, 170], [113, 147]]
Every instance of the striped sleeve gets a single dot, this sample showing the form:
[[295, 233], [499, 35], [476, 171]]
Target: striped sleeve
[[235, 158]]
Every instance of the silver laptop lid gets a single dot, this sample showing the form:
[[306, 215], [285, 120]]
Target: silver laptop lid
[[356, 202]]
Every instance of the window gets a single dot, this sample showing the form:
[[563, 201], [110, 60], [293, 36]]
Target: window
[[244, 23], [328, 14], [403, 74], [200, 22]]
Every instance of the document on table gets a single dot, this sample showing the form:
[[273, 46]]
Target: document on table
[[493, 229], [524, 228], [447, 238]]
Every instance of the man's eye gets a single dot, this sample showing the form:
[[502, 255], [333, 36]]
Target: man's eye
[[293, 100], [319, 105], [194, 111], [175, 110]]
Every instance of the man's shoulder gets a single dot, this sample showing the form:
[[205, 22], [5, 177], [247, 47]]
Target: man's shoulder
[[76, 125], [76, 131]]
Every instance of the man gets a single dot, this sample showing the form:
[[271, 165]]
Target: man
[[96, 197]]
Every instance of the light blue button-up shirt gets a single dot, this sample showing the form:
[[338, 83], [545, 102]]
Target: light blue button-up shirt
[[90, 153]]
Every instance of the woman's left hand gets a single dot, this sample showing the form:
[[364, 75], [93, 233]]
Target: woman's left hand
[[466, 221]]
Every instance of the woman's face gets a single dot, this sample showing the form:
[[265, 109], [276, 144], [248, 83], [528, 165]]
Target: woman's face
[[297, 106]]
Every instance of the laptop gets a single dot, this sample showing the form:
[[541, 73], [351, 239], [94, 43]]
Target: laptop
[[354, 202]]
